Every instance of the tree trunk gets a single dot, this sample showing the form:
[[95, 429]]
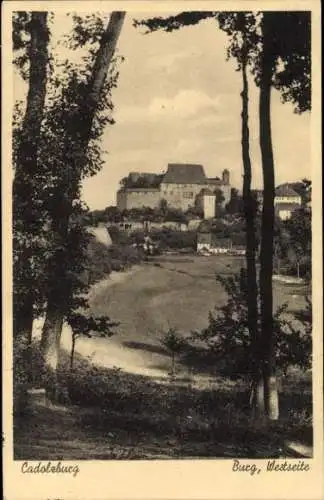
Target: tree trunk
[[51, 335], [72, 351], [257, 400], [257, 397], [76, 147], [26, 221], [104, 56], [50, 346], [267, 229]]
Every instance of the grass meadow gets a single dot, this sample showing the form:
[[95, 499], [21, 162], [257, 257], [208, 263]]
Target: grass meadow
[[128, 408]]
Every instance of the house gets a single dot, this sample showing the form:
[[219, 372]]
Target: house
[[180, 187], [209, 244], [286, 201]]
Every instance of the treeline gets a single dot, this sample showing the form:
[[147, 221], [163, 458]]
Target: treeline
[[162, 214], [293, 244], [163, 239], [152, 181]]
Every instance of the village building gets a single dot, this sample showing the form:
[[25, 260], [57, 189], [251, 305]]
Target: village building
[[286, 201], [208, 243], [183, 186]]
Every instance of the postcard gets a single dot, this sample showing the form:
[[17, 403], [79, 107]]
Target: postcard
[[162, 250]]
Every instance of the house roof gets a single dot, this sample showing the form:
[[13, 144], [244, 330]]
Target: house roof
[[286, 190], [139, 189], [204, 237], [221, 242], [185, 173]]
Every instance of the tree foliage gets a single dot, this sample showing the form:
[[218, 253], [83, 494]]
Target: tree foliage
[[150, 181], [29, 236], [291, 45], [73, 117]]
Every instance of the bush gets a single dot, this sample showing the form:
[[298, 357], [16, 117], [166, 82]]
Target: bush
[[137, 237], [175, 240], [28, 372], [174, 344], [227, 336], [98, 261], [20, 379], [124, 256], [119, 237], [101, 260]]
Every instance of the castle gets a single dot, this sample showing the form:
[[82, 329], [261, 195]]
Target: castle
[[183, 186]]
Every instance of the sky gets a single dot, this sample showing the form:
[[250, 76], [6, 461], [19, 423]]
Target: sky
[[178, 100]]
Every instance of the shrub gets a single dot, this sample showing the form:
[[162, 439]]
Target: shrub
[[98, 261], [228, 339], [119, 237], [137, 237], [20, 379], [124, 256], [175, 240], [174, 343], [29, 372], [101, 260]]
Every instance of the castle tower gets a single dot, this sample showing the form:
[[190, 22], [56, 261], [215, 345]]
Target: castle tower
[[226, 177], [209, 204]]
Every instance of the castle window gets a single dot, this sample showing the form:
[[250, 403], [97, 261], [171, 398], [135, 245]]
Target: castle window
[[188, 194]]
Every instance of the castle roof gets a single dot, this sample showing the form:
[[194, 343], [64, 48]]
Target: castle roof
[[286, 190], [139, 189], [185, 173]]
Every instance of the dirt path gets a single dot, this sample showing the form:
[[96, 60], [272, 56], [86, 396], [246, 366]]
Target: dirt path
[[110, 353]]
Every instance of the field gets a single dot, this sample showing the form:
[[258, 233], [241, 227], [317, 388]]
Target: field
[[172, 291], [123, 405]]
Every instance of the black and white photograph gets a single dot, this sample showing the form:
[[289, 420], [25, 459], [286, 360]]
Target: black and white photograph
[[162, 172]]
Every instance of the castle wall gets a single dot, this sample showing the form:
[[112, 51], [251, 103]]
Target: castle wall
[[177, 196], [138, 198], [180, 196]]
